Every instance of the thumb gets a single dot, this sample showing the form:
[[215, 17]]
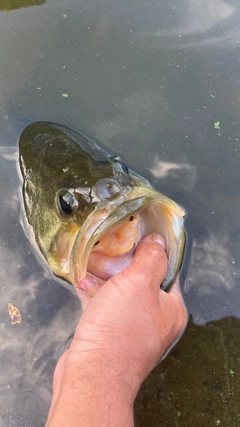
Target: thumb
[[149, 266]]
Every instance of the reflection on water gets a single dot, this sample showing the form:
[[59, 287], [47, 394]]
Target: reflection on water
[[162, 169], [211, 265], [6, 5], [197, 24], [212, 283], [185, 173], [196, 18]]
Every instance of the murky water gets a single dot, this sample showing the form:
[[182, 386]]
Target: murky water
[[159, 84]]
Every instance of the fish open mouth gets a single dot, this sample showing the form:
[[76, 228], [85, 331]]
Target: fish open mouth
[[115, 250], [106, 243]]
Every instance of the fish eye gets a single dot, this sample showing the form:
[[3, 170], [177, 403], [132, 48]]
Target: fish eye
[[67, 203]]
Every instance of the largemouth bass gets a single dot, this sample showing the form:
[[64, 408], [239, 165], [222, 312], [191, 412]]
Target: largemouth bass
[[89, 212]]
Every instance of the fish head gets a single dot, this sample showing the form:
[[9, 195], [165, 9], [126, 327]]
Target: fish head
[[88, 212]]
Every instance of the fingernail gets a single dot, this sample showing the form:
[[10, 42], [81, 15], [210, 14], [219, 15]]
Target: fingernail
[[159, 239]]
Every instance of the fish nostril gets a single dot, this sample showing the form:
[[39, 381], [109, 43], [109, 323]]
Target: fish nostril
[[113, 189], [105, 189]]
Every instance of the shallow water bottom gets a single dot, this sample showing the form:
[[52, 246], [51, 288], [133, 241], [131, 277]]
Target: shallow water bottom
[[198, 383]]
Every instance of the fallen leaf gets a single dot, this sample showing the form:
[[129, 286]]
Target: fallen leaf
[[14, 313]]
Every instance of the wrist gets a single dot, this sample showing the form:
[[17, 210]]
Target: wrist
[[119, 363], [88, 392], [104, 369]]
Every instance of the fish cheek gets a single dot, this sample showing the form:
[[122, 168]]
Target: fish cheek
[[83, 213], [46, 226], [30, 200], [61, 249]]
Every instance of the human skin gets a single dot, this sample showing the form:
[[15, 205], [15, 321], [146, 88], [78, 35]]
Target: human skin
[[123, 332]]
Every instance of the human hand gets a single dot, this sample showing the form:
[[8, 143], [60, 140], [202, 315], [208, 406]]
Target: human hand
[[123, 332]]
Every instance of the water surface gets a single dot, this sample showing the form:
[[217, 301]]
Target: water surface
[[157, 83]]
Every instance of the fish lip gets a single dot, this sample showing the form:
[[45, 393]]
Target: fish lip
[[105, 217]]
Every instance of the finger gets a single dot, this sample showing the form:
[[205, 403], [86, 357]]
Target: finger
[[58, 372], [84, 298], [175, 290], [180, 314], [149, 265], [176, 294]]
